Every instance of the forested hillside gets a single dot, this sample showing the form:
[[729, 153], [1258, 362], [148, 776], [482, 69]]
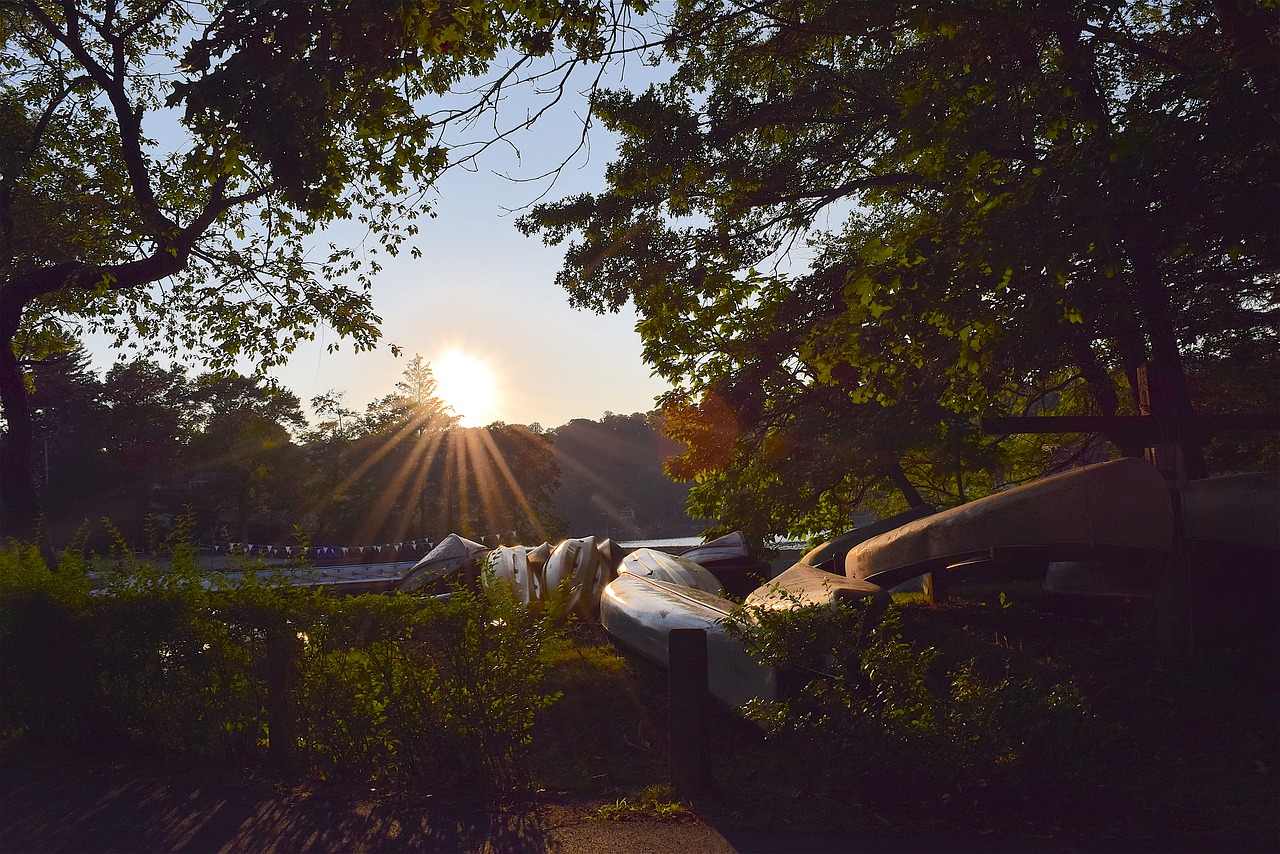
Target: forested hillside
[[612, 481]]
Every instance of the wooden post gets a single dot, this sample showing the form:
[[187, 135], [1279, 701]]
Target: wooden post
[[935, 587], [687, 706], [1174, 588], [282, 650]]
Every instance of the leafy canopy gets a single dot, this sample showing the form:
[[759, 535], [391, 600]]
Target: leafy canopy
[[850, 228]]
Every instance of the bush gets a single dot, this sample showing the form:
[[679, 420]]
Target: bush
[[392, 687], [889, 720]]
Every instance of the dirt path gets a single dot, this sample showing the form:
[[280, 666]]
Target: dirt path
[[52, 812]]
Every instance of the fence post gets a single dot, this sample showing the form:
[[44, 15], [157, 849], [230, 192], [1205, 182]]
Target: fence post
[[687, 707], [282, 651]]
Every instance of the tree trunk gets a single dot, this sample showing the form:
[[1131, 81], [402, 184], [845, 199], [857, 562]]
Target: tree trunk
[[899, 479], [1095, 375], [22, 515], [1122, 195]]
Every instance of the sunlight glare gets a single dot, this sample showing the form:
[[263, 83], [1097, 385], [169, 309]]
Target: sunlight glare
[[466, 384]]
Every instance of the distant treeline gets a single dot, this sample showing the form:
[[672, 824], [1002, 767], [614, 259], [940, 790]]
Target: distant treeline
[[145, 443]]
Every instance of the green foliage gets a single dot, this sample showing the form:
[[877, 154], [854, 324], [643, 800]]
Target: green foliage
[[393, 687], [848, 229], [895, 717], [164, 168], [654, 803]]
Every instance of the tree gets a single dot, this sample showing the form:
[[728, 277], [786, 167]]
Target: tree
[[68, 412], [1036, 203], [288, 116], [404, 469], [241, 457]]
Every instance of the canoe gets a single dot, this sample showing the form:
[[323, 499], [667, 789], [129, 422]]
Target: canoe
[[576, 568], [638, 612], [803, 585], [1243, 509], [653, 564], [450, 556], [727, 548], [611, 552], [831, 555], [1113, 509], [510, 566], [731, 562], [538, 557]]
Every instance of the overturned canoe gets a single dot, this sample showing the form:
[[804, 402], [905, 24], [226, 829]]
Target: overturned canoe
[[727, 548], [450, 556], [730, 560], [1113, 508], [650, 563], [803, 585], [639, 611], [1242, 509], [831, 555], [577, 569], [510, 565]]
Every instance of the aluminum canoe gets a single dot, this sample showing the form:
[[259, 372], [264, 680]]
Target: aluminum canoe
[[448, 557], [1113, 508], [510, 565], [650, 563], [639, 611], [577, 568]]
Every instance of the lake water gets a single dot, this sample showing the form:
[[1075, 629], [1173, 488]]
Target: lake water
[[690, 542]]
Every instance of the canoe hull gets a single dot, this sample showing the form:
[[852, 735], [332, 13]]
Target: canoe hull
[[638, 613], [671, 569], [454, 553], [577, 569], [804, 586], [510, 566], [1120, 505]]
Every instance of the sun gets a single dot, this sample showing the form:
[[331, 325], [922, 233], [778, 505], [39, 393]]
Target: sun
[[466, 384]]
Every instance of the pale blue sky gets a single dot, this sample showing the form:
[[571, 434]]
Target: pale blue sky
[[484, 289]]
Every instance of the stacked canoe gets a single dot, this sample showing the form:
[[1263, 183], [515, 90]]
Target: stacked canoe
[[570, 576]]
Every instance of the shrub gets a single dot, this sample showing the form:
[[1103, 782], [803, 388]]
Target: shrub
[[393, 687], [889, 720]]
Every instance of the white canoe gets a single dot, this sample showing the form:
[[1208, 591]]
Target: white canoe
[[727, 548], [510, 565], [576, 568], [639, 611], [449, 556], [1117, 506], [803, 585], [538, 557], [653, 564]]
